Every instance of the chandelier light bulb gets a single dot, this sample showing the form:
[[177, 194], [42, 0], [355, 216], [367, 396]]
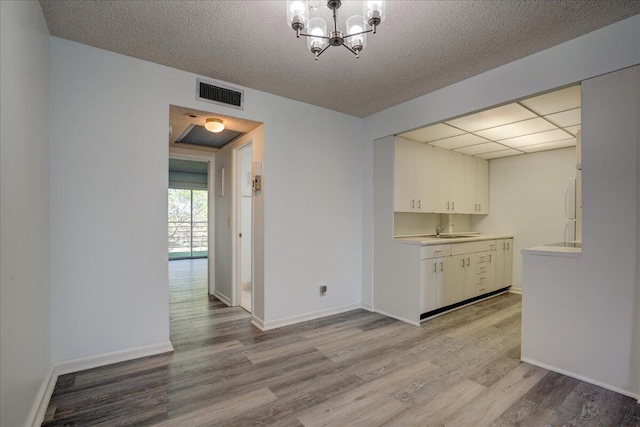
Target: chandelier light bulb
[[374, 12], [297, 14]]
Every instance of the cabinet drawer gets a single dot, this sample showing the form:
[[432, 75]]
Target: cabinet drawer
[[435, 251], [481, 268], [468, 248], [491, 245], [483, 257]]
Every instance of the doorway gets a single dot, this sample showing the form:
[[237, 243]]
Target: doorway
[[244, 223]]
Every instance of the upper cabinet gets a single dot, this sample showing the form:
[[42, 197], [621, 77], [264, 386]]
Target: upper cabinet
[[413, 176], [437, 180]]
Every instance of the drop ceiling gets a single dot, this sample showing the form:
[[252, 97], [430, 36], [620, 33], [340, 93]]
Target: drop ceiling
[[543, 122], [420, 47]]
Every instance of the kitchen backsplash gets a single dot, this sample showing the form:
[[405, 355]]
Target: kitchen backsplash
[[424, 223]]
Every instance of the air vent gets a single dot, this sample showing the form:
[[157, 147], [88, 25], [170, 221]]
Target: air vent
[[227, 96]]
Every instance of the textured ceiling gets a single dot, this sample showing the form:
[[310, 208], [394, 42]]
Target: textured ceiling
[[420, 47]]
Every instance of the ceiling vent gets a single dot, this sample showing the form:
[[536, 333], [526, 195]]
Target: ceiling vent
[[227, 96]]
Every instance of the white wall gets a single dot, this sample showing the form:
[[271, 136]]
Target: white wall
[[526, 199], [109, 153], [25, 358], [611, 48], [578, 314]]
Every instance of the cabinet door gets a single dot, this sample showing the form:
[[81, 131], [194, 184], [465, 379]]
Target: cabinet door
[[441, 180], [501, 247], [469, 202], [482, 186], [403, 175], [491, 271], [469, 262], [451, 280], [456, 181], [425, 189], [428, 288], [508, 263]]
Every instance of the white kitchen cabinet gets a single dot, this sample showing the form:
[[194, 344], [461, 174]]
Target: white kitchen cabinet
[[469, 201], [469, 267], [486, 271], [441, 180], [429, 285], [481, 189], [450, 285], [413, 176], [504, 263], [456, 182]]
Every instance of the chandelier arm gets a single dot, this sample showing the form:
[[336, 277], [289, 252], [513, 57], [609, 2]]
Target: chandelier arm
[[314, 36], [352, 51], [322, 51], [357, 34]]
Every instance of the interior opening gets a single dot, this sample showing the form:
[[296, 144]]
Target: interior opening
[[244, 197]]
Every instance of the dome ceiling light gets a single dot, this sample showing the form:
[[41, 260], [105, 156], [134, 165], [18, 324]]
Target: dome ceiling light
[[214, 125], [319, 39]]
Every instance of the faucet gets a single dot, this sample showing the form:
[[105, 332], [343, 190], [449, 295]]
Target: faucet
[[439, 229]]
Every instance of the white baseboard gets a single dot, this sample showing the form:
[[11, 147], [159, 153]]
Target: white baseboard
[[582, 378], [513, 290], [272, 324], [257, 322], [83, 363], [41, 402], [411, 322], [367, 306], [222, 297]]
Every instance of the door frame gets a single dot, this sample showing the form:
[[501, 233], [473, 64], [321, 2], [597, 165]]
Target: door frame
[[210, 159], [236, 210]]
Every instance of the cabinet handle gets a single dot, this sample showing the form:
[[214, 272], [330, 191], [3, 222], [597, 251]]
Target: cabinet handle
[[453, 206], [419, 204], [468, 262], [435, 267], [489, 257], [503, 247], [447, 205], [462, 262], [507, 246], [413, 203], [441, 267], [479, 207]]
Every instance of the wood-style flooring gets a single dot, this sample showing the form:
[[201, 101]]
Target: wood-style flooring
[[356, 368]]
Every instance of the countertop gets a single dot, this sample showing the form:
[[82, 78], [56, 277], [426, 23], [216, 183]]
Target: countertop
[[555, 250], [427, 241]]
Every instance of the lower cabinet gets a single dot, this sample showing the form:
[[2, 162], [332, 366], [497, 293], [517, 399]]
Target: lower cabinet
[[449, 277]]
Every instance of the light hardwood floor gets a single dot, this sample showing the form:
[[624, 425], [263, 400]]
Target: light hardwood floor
[[356, 368]]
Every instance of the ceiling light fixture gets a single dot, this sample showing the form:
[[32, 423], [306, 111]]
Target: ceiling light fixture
[[319, 39], [214, 125]]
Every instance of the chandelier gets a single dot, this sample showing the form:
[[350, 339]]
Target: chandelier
[[319, 40]]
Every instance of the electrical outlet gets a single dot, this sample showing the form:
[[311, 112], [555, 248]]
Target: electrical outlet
[[323, 290]]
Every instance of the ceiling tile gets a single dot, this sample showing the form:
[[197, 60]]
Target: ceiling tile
[[560, 100], [502, 153], [536, 138], [481, 148], [573, 130], [499, 116], [550, 145], [512, 130], [432, 133], [566, 118], [459, 141]]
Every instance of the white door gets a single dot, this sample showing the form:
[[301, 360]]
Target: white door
[[451, 285], [244, 222], [404, 175], [491, 271], [425, 179], [508, 263], [501, 247], [470, 275], [429, 293]]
